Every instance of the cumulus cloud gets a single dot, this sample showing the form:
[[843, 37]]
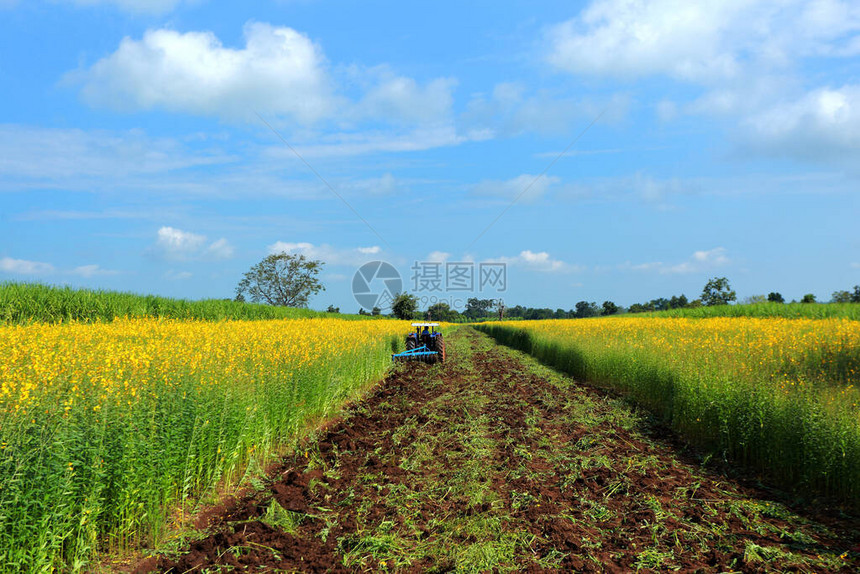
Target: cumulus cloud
[[699, 262], [173, 243], [279, 71], [540, 261], [24, 267], [699, 40], [402, 99], [327, 253], [821, 123]]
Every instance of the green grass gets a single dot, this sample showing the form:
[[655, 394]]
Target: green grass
[[23, 303], [786, 310]]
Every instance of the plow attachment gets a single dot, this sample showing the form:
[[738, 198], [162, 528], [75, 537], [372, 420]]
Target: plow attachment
[[427, 346], [421, 353]]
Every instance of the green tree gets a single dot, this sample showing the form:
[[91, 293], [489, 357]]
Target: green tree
[[610, 308], [855, 297], [477, 308], [404, 306], [753, 299], [376, 311], [678, 302], [441, 311], [718, 291], [282, 279], [585, 309], [808, 298], [332, 309], [841, 296], [775, 297]]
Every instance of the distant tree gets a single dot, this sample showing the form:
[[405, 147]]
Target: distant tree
[[361, 311], [441, 311], [753, 299], [404, 306], [775, 297], [239, 298], [717, 291], [678, 302], [560, 314], [808, 298], [694, 304], [282, 279], [636, 308], [500, 307], [376, 311], [477, 308], [610, 308], [585, 309], [855, 297], [332, 309], [841, 296]]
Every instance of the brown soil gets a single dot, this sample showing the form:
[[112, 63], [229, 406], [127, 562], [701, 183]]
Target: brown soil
[[489, 462]]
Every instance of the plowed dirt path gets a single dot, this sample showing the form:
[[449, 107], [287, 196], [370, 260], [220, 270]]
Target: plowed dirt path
[[492, 462]]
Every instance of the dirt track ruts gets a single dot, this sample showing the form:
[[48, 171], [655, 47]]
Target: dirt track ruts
[[491, 462]]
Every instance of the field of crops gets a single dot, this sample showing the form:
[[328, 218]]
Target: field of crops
[[106, 428], [783, 310], [32, 302], [777, 395]]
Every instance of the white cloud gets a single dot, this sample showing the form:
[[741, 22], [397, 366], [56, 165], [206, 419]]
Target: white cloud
[[510, 111], [700, 40], [822, 123], [76, 159], [175, 243], [526, 187], [92, 271], [438, 257], [327, 253], [399, 98], [172, 275], [279, 71], [134, 6], [640, 186], [700, 261], [541, 261], [220, 249], [24, 267], [855, 265]]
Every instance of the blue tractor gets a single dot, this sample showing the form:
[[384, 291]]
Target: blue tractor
[[425, 344]]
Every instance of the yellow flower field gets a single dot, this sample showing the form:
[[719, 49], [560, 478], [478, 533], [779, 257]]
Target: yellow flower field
[[778, 395], [105, 426]]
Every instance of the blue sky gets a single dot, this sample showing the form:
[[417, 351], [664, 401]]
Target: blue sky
[[133, 155]]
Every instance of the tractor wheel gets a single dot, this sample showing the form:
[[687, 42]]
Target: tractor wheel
[[440, 348], [427, 341], [410, 343]]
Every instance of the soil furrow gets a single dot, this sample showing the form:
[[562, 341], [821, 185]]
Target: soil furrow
[[492, 462]]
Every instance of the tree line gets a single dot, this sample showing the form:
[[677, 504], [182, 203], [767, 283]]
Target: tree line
[[290, 280]]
